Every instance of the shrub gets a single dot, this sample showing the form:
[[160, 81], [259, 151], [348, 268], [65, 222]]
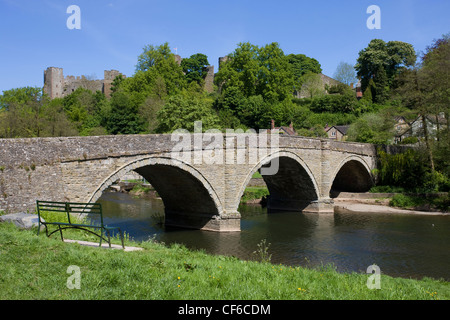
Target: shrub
[[404, 201]]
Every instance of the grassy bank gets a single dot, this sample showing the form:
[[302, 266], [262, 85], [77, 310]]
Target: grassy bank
[[252, 194], [405, 199], [33, 267]]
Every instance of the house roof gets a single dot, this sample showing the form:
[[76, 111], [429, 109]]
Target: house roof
[[341, 129], [431, 119], [288, 130]]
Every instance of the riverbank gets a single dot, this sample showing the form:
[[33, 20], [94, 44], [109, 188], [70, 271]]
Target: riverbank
[[378, 203], [159, 272]]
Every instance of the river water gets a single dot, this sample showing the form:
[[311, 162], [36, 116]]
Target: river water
[[402, 245]]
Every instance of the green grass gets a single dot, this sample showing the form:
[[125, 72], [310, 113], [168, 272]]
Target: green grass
[[252, 193], [386, 189], [52, 216], [33, 267], [441, 203]]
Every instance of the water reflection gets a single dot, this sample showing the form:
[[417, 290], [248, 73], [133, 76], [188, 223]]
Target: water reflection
[[402, 245]]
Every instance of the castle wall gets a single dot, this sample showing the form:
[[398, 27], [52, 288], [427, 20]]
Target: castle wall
[[56, 86]]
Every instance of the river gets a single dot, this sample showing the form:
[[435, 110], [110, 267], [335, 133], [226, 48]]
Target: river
[[402, 245]]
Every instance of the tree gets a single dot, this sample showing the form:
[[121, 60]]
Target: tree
[[425, 89], [311, 85], [195, 67], [393, 57], [371, 128], [27, 113], [152, 56], [301, 65], [156, 65], [124, 116], [182, 110], [345, 73], [20, 96], [256, 71]]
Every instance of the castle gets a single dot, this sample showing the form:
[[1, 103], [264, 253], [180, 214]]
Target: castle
[[58, 86]]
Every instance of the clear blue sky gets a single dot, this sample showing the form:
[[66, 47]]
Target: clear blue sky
[[34, 35]]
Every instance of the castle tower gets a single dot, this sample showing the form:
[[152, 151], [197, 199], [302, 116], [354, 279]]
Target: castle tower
[[109, 76], [209, 79], [53, 82]]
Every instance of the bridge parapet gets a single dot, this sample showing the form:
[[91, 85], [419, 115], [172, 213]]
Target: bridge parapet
[[81, 168]]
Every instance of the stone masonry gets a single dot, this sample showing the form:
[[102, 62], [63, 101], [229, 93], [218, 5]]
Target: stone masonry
[[196, 194], [58, 86]]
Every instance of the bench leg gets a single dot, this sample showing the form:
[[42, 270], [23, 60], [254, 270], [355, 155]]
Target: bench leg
[[109, 238], [60, 232], [101, 237], [121, 238]]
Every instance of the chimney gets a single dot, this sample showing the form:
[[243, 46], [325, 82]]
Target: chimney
[[291, 126], [272, 126]]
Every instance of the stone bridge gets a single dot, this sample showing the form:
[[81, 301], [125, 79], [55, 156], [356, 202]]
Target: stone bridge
[[197, 192]]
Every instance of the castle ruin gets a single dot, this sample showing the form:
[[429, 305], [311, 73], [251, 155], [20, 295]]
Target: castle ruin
[[58, 86]]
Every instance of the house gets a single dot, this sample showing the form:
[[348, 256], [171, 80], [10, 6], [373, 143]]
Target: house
[[415, 129], [283, 129], [338, 133], [358, 89], [400, 127]]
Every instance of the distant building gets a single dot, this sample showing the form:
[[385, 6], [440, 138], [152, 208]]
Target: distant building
[[359, 93], [338, 133], [416, 129], [400, 127], [58, 86], [283, 129]]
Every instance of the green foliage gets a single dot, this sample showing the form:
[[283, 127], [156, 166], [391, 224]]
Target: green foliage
[[371, 128], [263, 252], [382, 61], [409, 140], [405, 201], [301, 65], [345, 103], [257, 71], [407, 169], [345, 73], [26, 113], [124, 117], [254, 193], [19, 96], [195, 67], [386, 189], [182, 110], [176, 273]]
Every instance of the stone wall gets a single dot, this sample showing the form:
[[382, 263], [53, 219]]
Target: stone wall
[[81, 168], [58, 86]]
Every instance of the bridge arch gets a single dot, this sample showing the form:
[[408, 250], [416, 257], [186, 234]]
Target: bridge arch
[[353, 174], [189, 199], [292, 188]]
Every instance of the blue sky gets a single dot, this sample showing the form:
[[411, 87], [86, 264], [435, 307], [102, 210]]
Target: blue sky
[[34, 34]]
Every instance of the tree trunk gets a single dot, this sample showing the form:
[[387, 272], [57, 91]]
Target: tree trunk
[[427, 142]]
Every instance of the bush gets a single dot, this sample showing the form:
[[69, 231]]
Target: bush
[[409, 140], [404, 201], [386, 189]]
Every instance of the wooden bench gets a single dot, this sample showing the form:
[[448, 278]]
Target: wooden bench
[[63, 215]]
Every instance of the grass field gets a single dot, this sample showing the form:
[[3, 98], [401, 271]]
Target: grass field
[[33, 267]]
